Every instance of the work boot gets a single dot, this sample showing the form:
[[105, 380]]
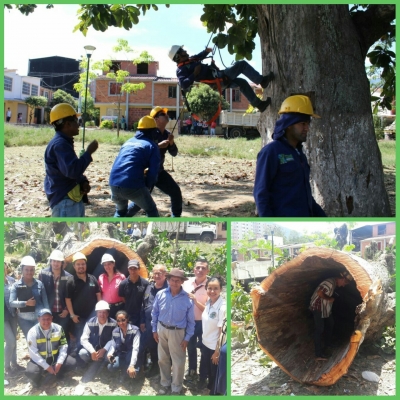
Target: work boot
[[263, 104], [267, 79]]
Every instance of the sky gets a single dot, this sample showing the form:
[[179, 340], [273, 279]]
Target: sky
[[327, 227], [46, 33]]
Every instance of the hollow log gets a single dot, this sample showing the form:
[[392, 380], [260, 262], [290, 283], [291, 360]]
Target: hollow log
[[285, 326], [98, 243]]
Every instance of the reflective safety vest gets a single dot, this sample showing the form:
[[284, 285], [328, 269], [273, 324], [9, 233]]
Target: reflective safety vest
[[130, 335], [96, 340], [48, 346]]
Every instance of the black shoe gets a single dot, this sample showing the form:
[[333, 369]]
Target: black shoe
[[153, 371], [267, 79], [262, 105]]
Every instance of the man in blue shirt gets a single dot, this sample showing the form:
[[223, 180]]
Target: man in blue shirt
[[64, 184], [191, 69], [135, 170], [165, 182], [282, 183], [172, 320]]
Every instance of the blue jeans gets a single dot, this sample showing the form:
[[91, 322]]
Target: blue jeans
[[166, 183], [243, 67], [68, 208], [195, 342], [26, 325], [141, 196], [121, 361], [10, 337]]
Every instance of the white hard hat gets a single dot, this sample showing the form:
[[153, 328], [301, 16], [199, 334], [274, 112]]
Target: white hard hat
[[102, 305], [28, 260], [172, 52], [107, 257], [78, 256], [135, 226], [57, 255]]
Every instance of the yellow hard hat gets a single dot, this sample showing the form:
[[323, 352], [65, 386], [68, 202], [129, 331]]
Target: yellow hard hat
[[298, 104], [147, 123], [60, 111], [156, 110], [78, 256]]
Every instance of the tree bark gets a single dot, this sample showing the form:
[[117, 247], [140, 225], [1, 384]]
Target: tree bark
[[285, 326], [99, 242], [317, 50]]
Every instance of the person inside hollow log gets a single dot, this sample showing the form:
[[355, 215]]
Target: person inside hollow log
[[321, 307]]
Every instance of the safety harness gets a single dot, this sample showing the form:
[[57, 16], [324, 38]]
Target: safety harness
[[217, 83]]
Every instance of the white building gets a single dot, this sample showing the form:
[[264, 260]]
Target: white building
[[16, 89]]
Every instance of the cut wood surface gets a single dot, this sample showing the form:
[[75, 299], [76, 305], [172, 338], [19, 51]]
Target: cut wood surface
[[285, 325]]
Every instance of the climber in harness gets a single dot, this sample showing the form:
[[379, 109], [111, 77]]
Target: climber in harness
[[191, 69]]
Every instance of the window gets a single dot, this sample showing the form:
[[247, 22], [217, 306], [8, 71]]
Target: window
[[7, 83], [143, 68], [381, 230], [236, 95], [112, 112], [35, 90], [46, 94], [26, 88], [114, 88], [115, 66], [172, 92]]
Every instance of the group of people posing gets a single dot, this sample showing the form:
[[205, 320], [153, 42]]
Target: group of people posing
[[138, 168], [75, 320]]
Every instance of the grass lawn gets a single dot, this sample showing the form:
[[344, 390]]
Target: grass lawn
[[240, 148]]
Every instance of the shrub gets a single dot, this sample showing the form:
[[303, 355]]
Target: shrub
[[106, 124], [90, 123]]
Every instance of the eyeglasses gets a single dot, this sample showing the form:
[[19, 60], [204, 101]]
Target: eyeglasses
[[121, 320], [158, 273], [161, 115], [203, 268]]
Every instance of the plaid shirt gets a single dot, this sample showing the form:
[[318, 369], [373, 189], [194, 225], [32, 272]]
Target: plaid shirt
[[57, 307]]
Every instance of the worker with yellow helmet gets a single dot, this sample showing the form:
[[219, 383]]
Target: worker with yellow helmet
[[64, 184], [81, 295], [165, 182], [282, 183], [135, 170]]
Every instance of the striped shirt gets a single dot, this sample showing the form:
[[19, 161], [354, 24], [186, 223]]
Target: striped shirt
[[317, 303], [57, 307]]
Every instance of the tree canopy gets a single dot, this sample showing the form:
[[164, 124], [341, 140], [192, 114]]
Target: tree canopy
[[236, 26]]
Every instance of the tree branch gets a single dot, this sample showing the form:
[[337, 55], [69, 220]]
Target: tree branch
[[373, 23]]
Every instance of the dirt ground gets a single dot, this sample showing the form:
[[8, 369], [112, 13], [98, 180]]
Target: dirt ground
[[103, 385], [272, 381], [211, 187], [214, 186]]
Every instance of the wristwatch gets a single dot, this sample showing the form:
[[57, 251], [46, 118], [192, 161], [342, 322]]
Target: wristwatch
[[72, 316]]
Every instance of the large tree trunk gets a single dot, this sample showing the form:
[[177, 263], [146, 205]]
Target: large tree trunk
[[99, 242], [285, 325], [318, 50]]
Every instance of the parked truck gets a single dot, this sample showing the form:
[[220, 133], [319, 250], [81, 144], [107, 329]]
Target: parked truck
[[187, 230], [239, 124]]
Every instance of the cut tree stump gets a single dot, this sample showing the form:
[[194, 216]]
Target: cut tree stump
[[285, 326], [94, 247]]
